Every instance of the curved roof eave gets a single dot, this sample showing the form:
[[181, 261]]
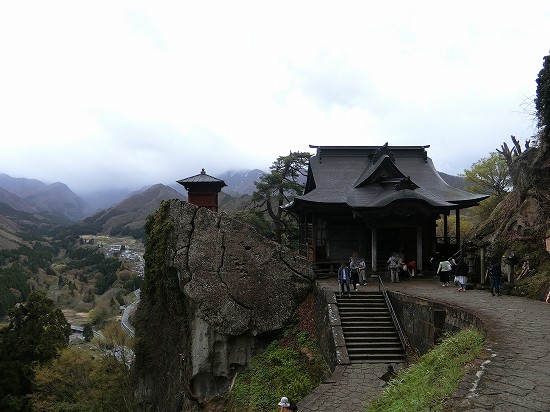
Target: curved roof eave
[[405, 195]]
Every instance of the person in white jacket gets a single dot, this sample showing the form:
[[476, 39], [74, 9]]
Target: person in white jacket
[[444, 271]]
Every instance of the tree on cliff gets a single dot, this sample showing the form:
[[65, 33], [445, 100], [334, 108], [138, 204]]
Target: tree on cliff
[[542, 101], [491, 176], [285, 180]]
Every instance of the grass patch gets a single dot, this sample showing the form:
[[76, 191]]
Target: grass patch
[[291, 366], [424, 386]]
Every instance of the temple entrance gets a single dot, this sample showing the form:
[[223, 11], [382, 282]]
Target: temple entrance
[[396, 239]]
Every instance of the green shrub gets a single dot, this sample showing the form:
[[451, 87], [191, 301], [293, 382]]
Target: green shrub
[[291, 367], [272, 373]]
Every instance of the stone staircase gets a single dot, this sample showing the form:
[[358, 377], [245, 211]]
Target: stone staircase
[[369, 332]]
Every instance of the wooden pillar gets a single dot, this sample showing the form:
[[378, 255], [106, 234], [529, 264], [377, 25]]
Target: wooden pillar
[[483, 267], [314, 237], [373, 251], [419, 256], [457, 228], [445, 231]]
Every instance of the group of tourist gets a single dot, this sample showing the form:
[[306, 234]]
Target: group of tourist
[[352, 273], [446, 268], [399, 269]]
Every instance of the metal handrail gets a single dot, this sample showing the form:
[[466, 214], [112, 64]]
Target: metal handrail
[[402, 337]]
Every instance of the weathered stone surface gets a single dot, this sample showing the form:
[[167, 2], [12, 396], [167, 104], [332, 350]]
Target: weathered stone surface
[[239, 290]]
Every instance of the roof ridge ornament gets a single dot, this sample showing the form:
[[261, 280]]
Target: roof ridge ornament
[[406, 183], [383, 150]]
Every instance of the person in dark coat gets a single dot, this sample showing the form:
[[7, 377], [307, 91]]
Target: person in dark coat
[[495, 275], [461, 274], [344, 278]]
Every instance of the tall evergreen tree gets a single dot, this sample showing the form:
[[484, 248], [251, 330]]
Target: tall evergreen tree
[[285, 180]]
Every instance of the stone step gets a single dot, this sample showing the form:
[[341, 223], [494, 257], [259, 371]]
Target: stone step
[[360, 303], [393, 349], [369, 331], [364, 314], [379, 340], [377, 358], [372, 333], [370, 324], [361, 307], [355, 296], [380, 346]]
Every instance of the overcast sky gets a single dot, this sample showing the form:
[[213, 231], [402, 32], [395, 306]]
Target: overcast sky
[[109, 93]]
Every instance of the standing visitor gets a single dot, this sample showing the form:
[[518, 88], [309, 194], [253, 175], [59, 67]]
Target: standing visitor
[[362, 271], [435, 262], [453, 264], [444, 271], [393, 266], [343, 278], [461, 274], [354, 268], [495, 274], [411, 266]]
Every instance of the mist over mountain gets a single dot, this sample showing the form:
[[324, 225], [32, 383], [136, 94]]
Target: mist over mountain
[[128, 217], [240, 182], [30, 203], [105, 198], [58, 199], [20, 186], [14, 201]]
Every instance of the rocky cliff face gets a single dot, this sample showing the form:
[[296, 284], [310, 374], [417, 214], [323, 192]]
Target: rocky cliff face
[[518, 226], [215, 293]]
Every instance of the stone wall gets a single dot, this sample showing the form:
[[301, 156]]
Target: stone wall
[[330, 336], [425, 322]]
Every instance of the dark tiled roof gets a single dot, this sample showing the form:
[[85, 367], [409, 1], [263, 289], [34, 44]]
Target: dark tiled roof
[[366, 177], [202, 177]]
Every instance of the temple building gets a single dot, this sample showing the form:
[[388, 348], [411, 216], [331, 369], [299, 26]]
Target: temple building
[[376, 201]]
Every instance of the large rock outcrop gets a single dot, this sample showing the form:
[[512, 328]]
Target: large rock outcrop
[[215, 293]]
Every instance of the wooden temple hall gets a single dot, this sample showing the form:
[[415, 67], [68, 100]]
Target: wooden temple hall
[[376, 201]]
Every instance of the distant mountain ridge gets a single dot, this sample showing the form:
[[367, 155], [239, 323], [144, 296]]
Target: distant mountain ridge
[[240, 182], [36, 196], [454, 181], [128, 217], [112, 211]]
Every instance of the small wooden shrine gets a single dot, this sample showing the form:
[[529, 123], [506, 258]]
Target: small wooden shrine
[[203, 190]]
